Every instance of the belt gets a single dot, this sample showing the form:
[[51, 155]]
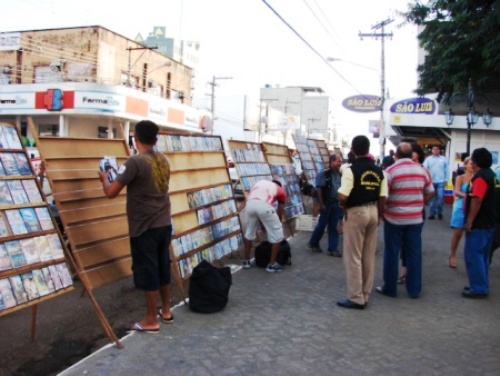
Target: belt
[[365, 204]]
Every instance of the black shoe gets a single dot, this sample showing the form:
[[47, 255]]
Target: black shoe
[[346, 303], [431, 217], [466, 288], [315, 249], [380, 290], [335, 254], [474, 295], [440, 216]]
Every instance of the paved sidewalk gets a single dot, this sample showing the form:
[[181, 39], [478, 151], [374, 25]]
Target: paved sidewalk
[[289, 324]]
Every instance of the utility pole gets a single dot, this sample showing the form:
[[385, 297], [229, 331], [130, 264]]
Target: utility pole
[[267, 116], [285, 110], [130, 49], [382, 35], [212, 97]]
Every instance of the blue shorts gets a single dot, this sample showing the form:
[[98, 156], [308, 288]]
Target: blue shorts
[[151, 258]]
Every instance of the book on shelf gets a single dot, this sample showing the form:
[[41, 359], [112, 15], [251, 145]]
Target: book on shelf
[[4, 227], [5, 262], [32, 191], [12, 137], [9, 164], [176, 142], [3, 140], [30, 286], [44, 218], [5, 196], [16, 253], [7, 299], [176, 247], [30, 250], [41, 284], [185, 143], [18, 289], [17, 192], [55, 245], [54, 274], [23, 164], [65, 275], [48, 279], [42, 244], [30, 219], [109, 163]]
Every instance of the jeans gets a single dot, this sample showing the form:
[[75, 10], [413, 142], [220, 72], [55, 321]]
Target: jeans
[[477, 255], [437, 202], [329, 217], [409, 237]]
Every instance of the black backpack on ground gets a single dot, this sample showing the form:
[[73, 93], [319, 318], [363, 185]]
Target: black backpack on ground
[[209, 288], [263, 254]]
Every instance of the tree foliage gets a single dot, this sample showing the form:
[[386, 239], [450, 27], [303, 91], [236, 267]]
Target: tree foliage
[[462, 41]]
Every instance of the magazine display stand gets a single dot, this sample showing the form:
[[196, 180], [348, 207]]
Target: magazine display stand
[[250, 163], [280, 162], [323, 151], [33, 265], [205, 220], [306, 160], [96, 227], [315, 155]]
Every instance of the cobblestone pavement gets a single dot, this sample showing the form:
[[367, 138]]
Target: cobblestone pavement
[[289, 324]]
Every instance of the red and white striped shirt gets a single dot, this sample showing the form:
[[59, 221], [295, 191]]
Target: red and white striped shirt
[[407, 183]]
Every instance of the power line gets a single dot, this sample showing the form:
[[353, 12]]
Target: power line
[[310, 46]]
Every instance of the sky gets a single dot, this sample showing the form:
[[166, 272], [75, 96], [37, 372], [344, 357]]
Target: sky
[[247, 41]]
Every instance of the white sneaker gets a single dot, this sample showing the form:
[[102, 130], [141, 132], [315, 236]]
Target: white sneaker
[[246, 264], [276, 268]]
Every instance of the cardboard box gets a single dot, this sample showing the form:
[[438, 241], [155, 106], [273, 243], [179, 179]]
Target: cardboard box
[[306, 222]]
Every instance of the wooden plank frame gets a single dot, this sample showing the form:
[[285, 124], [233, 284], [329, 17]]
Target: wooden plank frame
[[205, 219], [96, 227], [35, 269]]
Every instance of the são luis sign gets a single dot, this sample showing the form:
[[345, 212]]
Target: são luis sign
[[363, 103]]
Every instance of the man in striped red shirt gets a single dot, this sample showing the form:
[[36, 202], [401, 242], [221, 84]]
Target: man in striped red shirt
[[410, 188]]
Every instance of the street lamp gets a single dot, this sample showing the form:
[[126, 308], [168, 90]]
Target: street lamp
[[472, 116]]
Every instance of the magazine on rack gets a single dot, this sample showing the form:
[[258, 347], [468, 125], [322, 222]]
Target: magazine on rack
[[108, 163]]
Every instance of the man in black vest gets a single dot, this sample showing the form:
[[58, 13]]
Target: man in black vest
[[327, 183], [481, 215], [362, 196]]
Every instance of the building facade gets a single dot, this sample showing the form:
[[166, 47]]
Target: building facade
[[91, 82]]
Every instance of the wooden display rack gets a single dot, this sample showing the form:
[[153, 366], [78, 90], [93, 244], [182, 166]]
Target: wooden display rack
[[280, 162], [308, 167], [33, 264], [323, 151], [204, 214], [96, 227]]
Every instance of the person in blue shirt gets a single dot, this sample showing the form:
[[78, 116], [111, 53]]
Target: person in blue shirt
[[327, 184], [438, 167]]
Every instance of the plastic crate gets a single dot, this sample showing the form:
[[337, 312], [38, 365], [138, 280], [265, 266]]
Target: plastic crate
[[306, 222]]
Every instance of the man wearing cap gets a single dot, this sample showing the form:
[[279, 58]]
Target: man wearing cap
[[362, 195], [327, 184], [259, 208]]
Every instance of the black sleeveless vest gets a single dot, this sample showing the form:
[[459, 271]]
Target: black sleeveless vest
[[367, 180]]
